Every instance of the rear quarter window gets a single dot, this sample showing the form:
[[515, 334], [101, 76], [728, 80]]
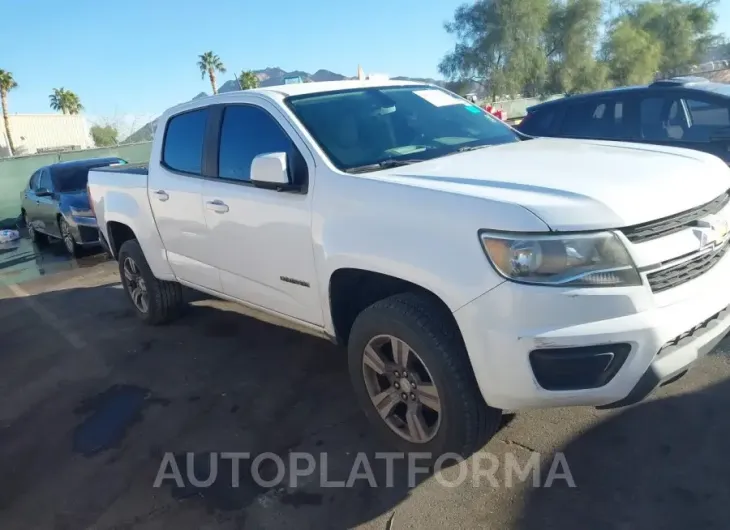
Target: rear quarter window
[[183, 144], [539, 122]]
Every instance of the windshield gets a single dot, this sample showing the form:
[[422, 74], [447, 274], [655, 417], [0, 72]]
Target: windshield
[[375, 128], [75, 178]]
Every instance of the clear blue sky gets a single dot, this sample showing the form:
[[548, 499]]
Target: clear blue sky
[[138, 56]]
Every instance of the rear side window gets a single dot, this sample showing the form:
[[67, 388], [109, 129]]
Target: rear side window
[[46, 182], [603, 119], [247, 132], [34, 179], [184, 137]]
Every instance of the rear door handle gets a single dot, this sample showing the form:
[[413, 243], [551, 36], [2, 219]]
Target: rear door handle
[[217, 206], [162, 195]]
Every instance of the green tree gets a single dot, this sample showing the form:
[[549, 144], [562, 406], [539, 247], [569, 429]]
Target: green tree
[[7, 83], [682, 28], [631, 54], [104, 135], [499, 45], [65, 101], [571, 36], [209, 63], [248, 79]]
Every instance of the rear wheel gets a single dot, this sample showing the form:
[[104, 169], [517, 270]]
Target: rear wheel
[[155, 301], [413, 378], [35, 237]]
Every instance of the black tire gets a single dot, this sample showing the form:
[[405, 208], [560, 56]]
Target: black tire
[[36, 237], [467, 422], [164, 299], [67, 238]]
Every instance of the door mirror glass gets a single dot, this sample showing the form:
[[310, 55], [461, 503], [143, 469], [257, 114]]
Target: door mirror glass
[[43, 192], [270, 168]]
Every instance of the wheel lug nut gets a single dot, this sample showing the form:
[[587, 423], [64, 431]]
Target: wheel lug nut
[[413, 396], [405, 374], [404, 395], [397, 385], [396, 374]]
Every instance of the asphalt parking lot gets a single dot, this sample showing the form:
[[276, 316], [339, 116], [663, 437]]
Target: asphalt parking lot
[[91, 401]]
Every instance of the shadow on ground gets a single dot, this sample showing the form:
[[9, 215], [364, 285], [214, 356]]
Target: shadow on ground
[[91, 402], [660, 465]]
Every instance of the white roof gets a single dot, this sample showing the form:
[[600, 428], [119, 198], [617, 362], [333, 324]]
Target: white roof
[[297, 89], [279, 92]]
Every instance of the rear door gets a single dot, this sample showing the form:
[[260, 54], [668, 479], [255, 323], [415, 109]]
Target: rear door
[[175, 195]]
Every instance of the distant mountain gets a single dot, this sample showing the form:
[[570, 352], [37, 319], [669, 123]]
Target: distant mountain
[[271, 76]]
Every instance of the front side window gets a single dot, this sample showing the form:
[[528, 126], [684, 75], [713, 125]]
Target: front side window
[[184, 137], [706, 118], [247, 132], [373, 128]]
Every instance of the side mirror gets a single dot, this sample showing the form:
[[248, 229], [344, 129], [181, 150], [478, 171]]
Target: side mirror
[[43, 192], [271, 170]]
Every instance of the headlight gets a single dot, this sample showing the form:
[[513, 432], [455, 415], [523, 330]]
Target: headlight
[[588, 260], [81, 212]]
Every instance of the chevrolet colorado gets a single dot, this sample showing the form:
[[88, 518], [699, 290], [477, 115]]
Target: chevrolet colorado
[[466, 270]]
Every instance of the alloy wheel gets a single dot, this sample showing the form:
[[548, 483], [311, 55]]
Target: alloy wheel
[[135, 285], [401, 389], [68, 239]]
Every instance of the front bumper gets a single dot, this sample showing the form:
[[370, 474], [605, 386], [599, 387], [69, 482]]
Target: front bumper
[[666, 333]]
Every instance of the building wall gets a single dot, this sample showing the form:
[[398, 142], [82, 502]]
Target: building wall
[[15, 172], [33, 133]]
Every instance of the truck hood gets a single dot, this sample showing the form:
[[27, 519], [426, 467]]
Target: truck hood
[[577, 185]]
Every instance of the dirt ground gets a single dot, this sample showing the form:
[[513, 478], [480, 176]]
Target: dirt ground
[[91, 401]]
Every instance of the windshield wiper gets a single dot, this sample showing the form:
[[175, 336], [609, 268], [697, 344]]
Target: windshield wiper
[[472, 148], [385, 164]]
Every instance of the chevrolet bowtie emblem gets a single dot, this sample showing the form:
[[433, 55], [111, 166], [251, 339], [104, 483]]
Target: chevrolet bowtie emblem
[[711, 231]]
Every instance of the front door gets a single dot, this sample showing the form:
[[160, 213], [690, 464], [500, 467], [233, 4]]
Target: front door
[[261, 239], [175, 194], [46, 210]]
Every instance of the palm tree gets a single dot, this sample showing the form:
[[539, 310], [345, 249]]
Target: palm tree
[[248, 79], [65, 101], [7, 83], [210, 63]]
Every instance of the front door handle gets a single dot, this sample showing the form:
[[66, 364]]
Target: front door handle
[[217, 206], [162, 195]]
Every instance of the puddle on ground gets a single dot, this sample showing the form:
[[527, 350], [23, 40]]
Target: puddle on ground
[[111, 414], [22, 261]]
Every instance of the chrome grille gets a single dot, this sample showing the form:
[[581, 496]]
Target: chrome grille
[[687, 270], [675, 223]]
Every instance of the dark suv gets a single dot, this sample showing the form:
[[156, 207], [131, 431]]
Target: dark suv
[[689, 112]]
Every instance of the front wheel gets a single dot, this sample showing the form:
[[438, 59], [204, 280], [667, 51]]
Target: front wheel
[[155, 301], [413, 378], [67, 237]]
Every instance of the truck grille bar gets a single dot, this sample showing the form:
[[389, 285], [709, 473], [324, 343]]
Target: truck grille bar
[[674, 223]]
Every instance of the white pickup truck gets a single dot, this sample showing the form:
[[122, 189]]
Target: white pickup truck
[[467, 270]]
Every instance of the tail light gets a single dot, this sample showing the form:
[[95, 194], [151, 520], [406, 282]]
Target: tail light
[[91, 200]]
